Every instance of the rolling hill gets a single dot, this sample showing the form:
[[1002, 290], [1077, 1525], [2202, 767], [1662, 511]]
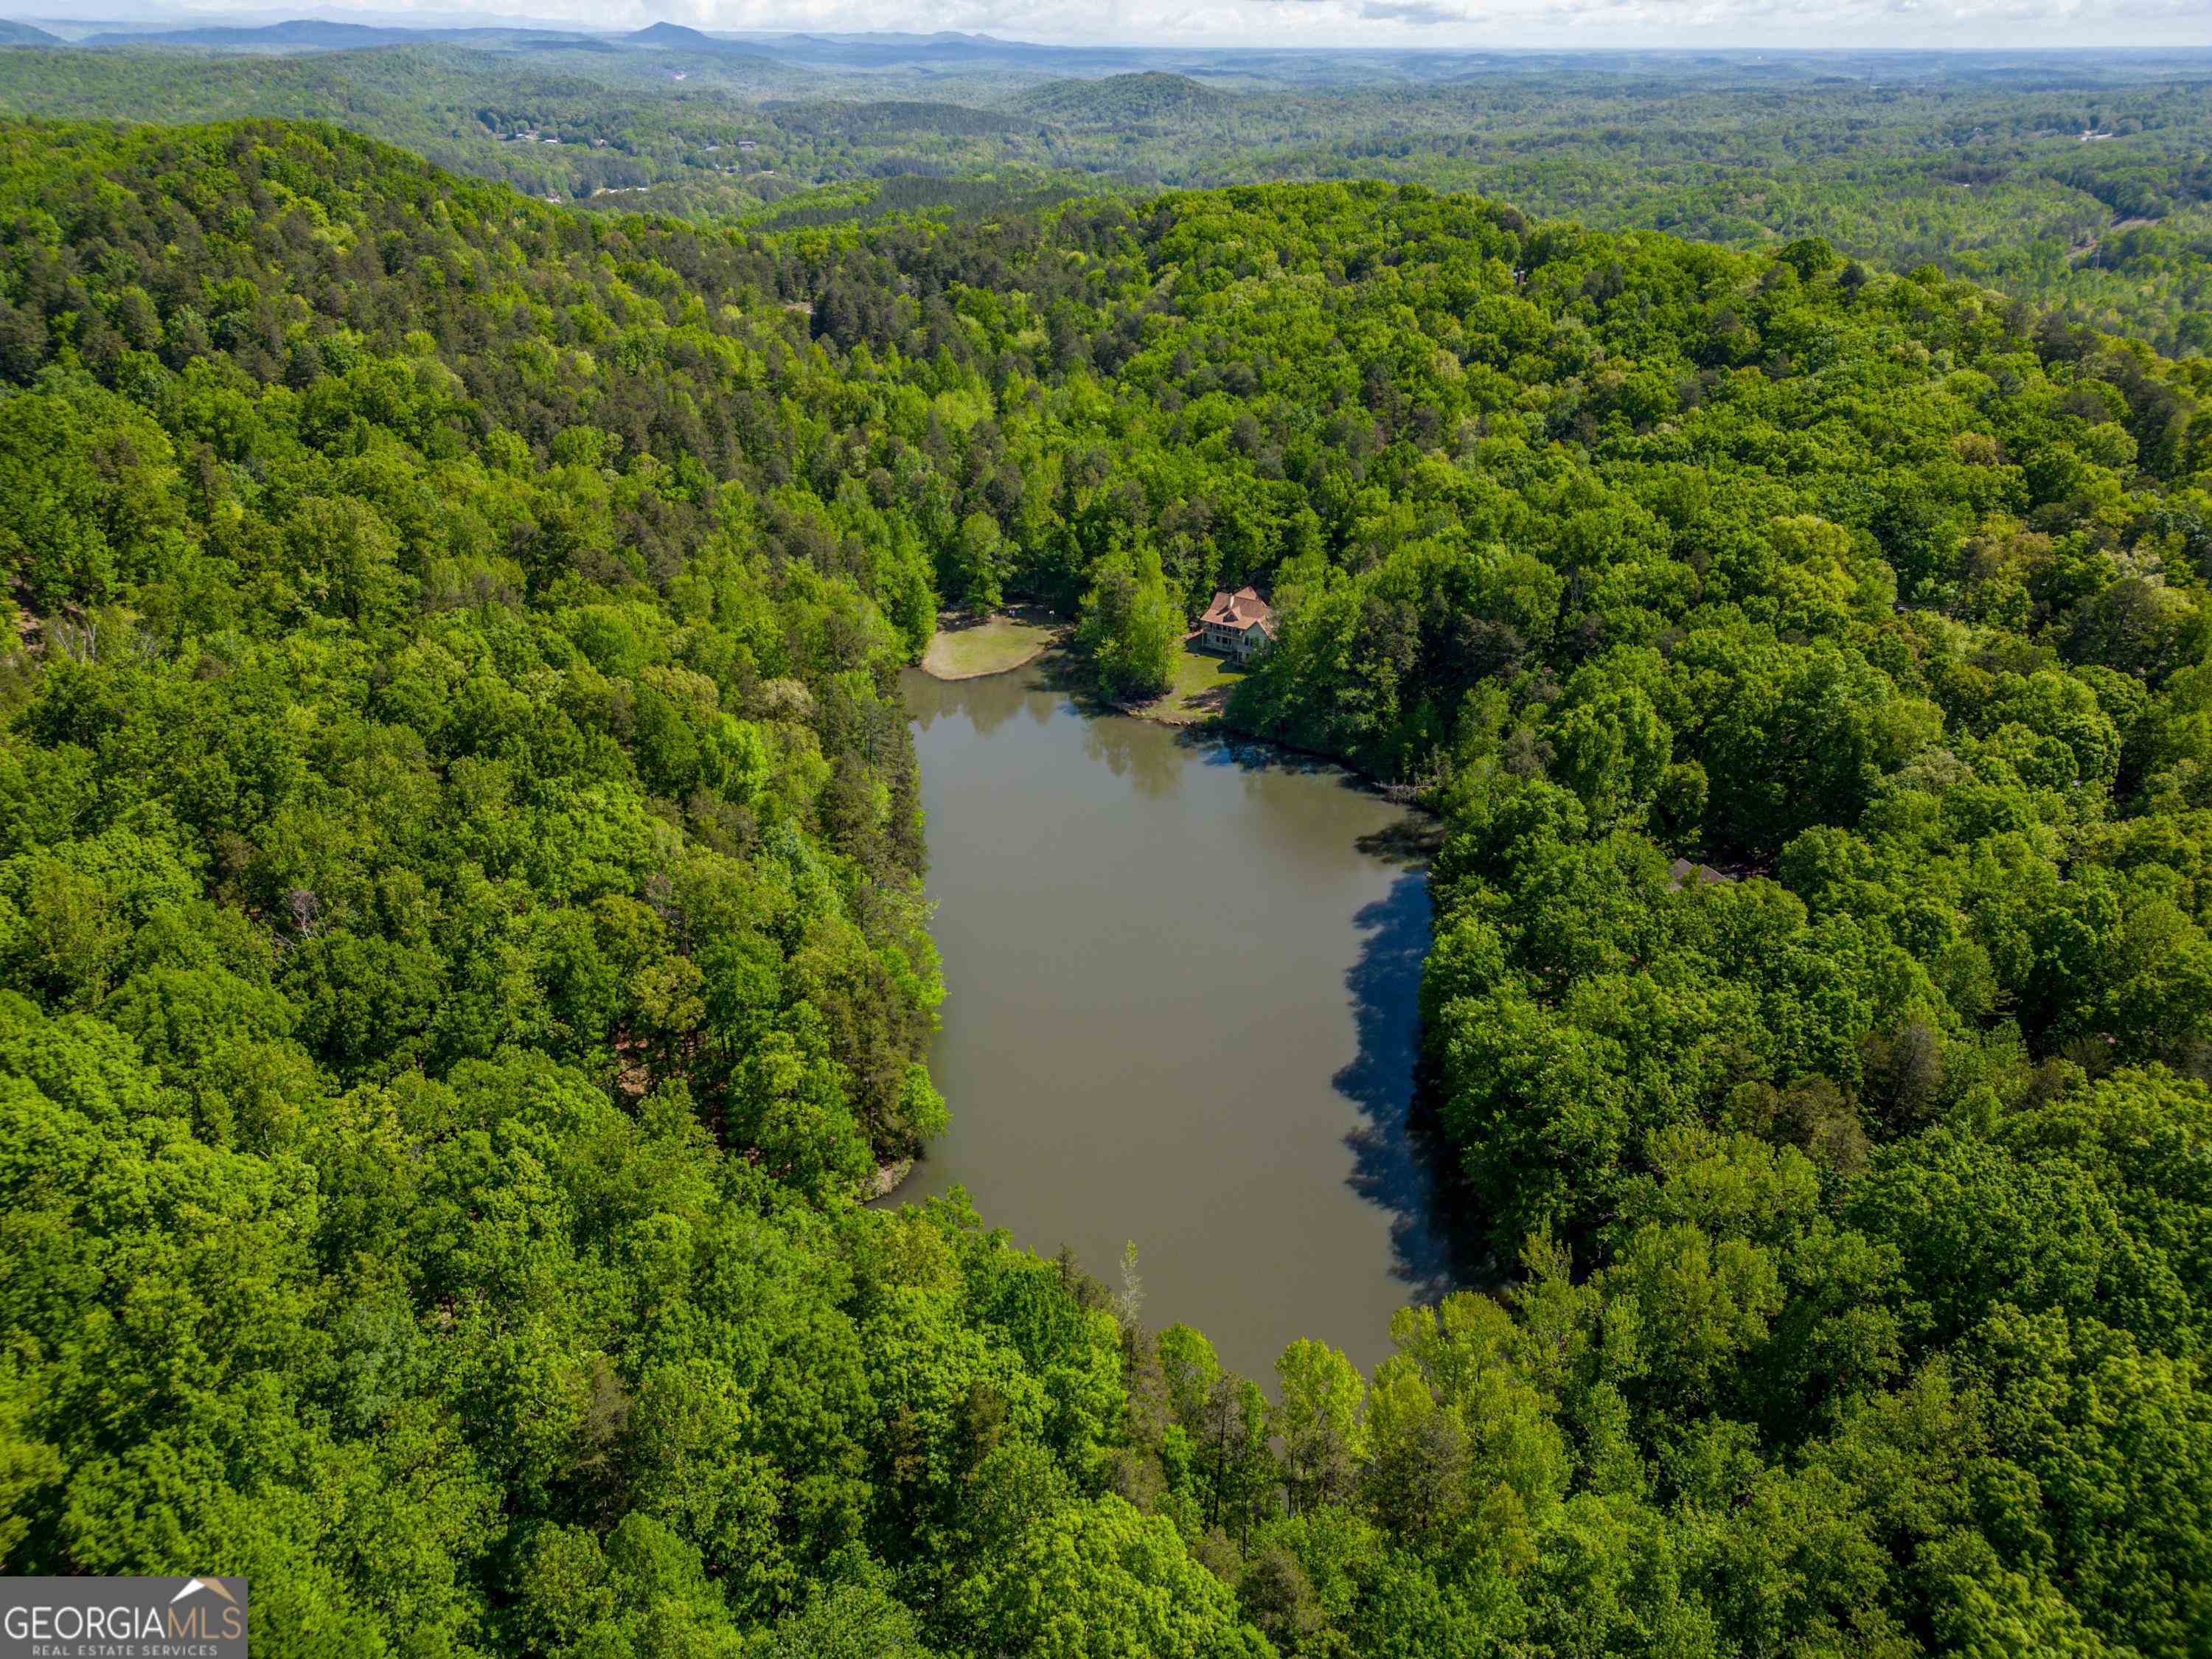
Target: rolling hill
[[1150, 95]]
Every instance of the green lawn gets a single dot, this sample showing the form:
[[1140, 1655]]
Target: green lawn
[[1203, 682], [967, 651]]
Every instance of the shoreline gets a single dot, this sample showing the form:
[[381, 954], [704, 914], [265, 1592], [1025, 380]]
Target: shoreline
[[1398, 795], [1156, 711], [1176, 720]]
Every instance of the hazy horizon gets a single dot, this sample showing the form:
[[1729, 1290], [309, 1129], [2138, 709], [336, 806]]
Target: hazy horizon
[[1702, 26]]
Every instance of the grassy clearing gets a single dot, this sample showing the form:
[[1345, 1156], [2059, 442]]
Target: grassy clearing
[[964, 650], [1203, 682]]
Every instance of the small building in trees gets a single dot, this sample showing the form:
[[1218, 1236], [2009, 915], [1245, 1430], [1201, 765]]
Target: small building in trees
[[1240, 624], [1683, 873]]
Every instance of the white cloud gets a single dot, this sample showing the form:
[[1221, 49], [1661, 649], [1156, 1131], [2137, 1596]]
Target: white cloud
[[1574, 24]]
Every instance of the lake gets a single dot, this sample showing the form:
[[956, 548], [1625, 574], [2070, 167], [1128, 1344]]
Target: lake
[[1183, 974]]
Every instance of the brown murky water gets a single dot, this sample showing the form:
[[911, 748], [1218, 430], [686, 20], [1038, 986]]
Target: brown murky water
[[1181, 979]]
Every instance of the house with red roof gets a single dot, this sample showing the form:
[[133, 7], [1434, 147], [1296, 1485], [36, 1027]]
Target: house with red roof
[[1240, 624]]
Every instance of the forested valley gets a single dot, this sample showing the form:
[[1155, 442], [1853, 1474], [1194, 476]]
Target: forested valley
[[2081, 182], [464, 956]]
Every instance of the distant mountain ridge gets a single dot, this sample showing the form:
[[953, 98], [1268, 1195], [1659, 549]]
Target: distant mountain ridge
[[313, 33], [678, 34]]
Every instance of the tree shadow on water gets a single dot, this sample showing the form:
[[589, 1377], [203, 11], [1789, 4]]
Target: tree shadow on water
[[1396, 1164], [1219, 745]]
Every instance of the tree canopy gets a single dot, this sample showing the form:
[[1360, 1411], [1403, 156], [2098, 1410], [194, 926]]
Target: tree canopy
[[462, 952]]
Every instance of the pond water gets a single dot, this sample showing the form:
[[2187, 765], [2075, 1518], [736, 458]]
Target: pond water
[[1181, 979]]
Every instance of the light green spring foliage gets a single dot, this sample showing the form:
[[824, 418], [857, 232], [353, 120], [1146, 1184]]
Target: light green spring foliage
[[1132, 628], [461, 921]]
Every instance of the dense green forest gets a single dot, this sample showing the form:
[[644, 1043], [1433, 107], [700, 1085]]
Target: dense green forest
[[464, 952], [2077, 181]]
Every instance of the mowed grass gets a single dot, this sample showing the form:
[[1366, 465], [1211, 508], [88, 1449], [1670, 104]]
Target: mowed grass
[[967, 651], [1203, 682]]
